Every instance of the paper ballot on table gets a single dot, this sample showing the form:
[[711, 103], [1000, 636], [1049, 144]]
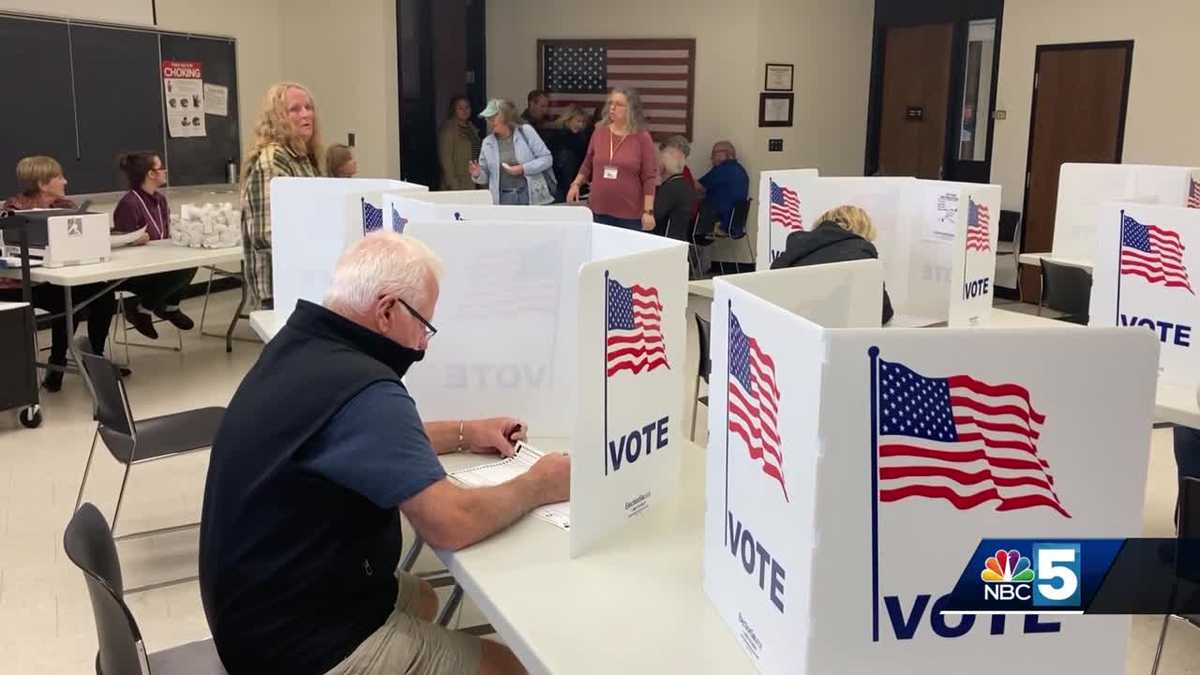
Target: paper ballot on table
[[495, 473], [126, 238]]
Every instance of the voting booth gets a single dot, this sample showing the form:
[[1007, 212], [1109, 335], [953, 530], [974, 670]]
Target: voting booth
[[1142, 276], [936, 239], [576, 328], [851, 473], [312, 221], [1083, 190]]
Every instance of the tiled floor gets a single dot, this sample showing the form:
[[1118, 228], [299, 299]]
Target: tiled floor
[[46, 623]]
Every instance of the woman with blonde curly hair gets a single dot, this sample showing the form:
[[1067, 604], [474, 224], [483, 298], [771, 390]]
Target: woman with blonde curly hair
[[287, 142]]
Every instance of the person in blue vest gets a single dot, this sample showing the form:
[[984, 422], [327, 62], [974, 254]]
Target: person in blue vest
[[724, 186], [319, 453]]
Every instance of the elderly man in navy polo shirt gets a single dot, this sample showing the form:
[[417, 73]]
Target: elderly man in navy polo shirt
[[724, 186], [320, 451]]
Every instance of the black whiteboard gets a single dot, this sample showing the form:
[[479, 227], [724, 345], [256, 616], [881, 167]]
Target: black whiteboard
[[84, 93]]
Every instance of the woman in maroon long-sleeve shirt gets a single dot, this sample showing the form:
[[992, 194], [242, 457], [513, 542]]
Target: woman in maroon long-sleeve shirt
[[622, 166]]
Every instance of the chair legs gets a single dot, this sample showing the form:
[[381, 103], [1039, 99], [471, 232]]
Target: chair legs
[[86, 469], [451, 606], [1162, 639], [695, 407], [120, 498]]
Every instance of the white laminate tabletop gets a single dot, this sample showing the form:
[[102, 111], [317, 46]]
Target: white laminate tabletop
[[131, 261], [1036, 259], [1177, 404], [266, 323], [1004, 318], [635, 604], [702, 288]]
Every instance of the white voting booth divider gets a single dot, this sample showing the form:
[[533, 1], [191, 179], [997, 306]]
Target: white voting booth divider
[[577, 329], [780, 212], [836, 522], [1142, 277], [1083, 190], [937, 239], [312, 222]]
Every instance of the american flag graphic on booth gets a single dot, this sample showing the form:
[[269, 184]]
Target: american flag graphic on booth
[[1153, 253], [1193, 198], [372, 218], [961, 440], [634, 329], [398, 222], [754, 401], [785, 207], [979, 238], [580, 72]]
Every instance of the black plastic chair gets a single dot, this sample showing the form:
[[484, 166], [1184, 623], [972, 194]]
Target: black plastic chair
[[89, 545], [737, 228], [1066, 289], [1189, 529], [132, 441], [702, 372]]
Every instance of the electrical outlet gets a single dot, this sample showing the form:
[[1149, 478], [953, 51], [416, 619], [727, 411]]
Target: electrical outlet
[[775, 145], [1001, 114]]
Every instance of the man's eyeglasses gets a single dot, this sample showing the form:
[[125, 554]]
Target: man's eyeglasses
[[430, 331]]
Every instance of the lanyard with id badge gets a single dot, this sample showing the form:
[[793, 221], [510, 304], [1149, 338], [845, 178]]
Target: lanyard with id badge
[[610, 169]]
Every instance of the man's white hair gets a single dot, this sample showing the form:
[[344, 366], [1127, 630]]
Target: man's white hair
[[383, 264]]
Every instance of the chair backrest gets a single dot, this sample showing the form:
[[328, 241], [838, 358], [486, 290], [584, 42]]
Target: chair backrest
[[702, 329], [1009, 221], [737, 221], [108, 391], [1066, 288], [89, 545]]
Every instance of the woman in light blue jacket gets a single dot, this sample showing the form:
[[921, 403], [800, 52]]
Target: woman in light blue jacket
[[513, 161]]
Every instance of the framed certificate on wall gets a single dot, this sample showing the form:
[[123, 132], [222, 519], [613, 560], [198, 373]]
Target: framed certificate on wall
[[775, 110], [779, 77]]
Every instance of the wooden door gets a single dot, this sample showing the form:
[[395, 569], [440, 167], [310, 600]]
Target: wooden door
[[1079, 98], [916, 98]]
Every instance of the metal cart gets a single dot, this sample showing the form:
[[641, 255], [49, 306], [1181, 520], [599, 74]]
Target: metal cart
[[18, 368]]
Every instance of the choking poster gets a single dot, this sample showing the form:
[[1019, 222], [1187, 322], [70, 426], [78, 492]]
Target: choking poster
[[183, 88]]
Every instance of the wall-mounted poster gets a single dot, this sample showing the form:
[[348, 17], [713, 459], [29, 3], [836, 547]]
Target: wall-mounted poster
[[183, 89]]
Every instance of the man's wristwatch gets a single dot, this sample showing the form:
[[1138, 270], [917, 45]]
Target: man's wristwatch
[[648, 212]]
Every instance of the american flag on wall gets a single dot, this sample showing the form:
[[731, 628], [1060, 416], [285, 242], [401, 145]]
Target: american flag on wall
[[1153, 253], [785, 207], [1193, 198], [754, 401], [960, 440], [580, 72], [978, 220], [634, 329]]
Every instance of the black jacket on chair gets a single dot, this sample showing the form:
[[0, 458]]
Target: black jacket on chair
[[829, 242]]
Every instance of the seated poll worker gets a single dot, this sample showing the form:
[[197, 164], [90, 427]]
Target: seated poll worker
[[320, 451], [724, 186], [145, 208], [841, 235], [43, 186]]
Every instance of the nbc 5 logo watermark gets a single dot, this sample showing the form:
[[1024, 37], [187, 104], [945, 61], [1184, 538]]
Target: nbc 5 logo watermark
[[1050, 577]]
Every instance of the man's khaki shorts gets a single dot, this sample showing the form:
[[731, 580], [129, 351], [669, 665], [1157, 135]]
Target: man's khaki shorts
[[406, 645]]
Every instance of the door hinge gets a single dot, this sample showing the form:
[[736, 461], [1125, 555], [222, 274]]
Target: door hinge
[[1035, 81], [1028, 179]]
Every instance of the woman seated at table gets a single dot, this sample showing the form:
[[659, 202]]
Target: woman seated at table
[[841, 235], [43, 186], [144, 207]]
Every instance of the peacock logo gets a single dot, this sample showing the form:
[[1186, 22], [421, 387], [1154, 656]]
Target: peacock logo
[[1007, 567]]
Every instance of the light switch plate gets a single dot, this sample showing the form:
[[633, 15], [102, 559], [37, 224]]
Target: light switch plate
[[775, 145]]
